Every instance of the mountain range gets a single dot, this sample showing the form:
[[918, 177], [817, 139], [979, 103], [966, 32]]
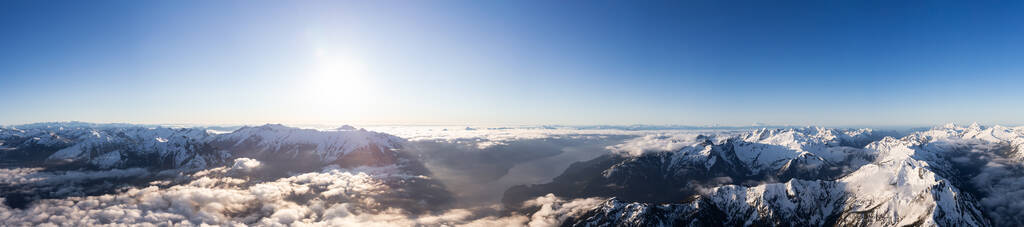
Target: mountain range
[[950, 175], [807, 177]]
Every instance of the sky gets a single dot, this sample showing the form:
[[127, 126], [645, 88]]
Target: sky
[[736, 63]]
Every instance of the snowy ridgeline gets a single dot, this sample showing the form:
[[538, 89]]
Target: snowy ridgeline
[[119, 146], [949, 175]]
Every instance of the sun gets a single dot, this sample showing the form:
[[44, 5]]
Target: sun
[[337, 85]]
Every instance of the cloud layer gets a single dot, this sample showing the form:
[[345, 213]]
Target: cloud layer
[[476, 165], [222, 196]]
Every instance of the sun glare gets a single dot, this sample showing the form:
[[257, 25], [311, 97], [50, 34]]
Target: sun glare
[[337, 85]]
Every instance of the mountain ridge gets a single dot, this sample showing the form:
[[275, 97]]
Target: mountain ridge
[[908, 183]]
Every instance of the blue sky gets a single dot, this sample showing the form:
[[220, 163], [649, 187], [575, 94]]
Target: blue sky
[[829, 63]]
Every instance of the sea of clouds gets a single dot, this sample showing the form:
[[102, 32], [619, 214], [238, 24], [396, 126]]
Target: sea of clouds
[[225, 196], [475, 164]]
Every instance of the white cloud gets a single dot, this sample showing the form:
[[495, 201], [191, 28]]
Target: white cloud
[[245, 164], [654, 143], [35, 176], [335, 197], [485, 137], [554, 210], [223, 201]]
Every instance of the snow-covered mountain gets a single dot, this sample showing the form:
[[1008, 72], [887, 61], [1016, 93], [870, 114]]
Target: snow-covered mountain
[[98, 159], [141, 147], [947, 176], [33, 143], [345, 146], [951, 137], [767, 155], [775, 150], [118, 146], [915, 180]]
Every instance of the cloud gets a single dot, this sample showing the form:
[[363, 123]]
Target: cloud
[[242, 194], [222, 201], [479, 177], [554, 210], [245, 164], [35, 176], [654, 143], [485, 137], [991, 171], [332, 197], [1000, 183]]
